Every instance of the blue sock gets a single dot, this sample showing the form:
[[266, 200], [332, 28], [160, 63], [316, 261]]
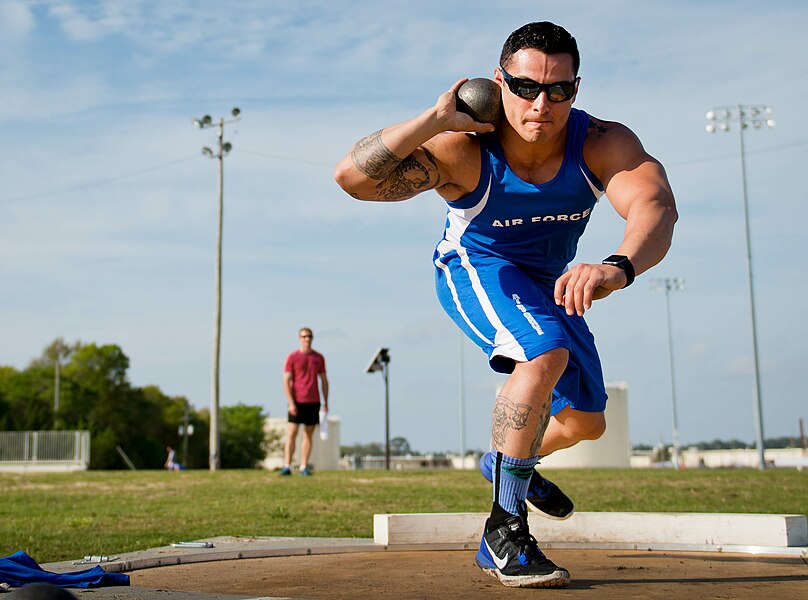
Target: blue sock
[[511, 479]]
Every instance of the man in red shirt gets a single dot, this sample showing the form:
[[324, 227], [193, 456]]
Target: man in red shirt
[[300, 374]]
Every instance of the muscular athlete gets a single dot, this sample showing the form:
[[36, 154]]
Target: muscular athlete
[[519, 195]]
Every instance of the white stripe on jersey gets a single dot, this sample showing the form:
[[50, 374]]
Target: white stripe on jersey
[[460, 218], [598, 193]]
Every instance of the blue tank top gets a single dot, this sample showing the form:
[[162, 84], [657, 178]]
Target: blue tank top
[[536, 227]]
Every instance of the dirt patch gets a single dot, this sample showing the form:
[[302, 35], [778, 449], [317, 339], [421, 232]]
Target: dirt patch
[[596, 574]]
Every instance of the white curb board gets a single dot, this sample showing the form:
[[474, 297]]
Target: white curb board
[[720, 529]]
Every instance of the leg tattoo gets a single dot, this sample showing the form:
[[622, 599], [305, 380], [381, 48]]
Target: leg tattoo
[[544, 419], [508, 415]]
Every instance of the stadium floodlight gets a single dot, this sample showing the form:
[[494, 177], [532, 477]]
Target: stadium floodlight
[[745, 116], [380, 361], [214, 458]]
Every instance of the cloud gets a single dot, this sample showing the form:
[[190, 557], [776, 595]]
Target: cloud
[[16, 21]]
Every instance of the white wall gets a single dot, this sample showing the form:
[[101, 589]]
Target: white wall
[[324, 453], [612, 450]]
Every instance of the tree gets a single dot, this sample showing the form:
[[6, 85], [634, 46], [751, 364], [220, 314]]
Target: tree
[[26, 399], [243, 445], [399, 446]]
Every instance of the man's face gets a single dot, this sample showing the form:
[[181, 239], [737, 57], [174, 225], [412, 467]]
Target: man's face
[[305, 339], [538, 120]]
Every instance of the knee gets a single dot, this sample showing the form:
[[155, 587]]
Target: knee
[[593, 427], [584, 426], [553, 362]]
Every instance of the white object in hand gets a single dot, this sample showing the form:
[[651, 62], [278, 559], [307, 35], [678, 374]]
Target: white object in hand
[[323, 425]]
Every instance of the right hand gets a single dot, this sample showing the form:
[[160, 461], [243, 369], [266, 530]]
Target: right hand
[[293, 409], [453, 120]]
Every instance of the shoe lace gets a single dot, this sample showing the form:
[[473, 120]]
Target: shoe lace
[[526, 543]]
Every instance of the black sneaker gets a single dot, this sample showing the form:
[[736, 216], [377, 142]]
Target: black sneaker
[[546, 498], [543, 496], [512, 555]]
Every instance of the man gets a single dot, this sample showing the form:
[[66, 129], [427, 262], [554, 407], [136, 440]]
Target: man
[[171, 460], [300, 374], [519, 196]]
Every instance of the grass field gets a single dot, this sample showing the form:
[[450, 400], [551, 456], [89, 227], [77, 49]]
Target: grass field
[[67, 516]]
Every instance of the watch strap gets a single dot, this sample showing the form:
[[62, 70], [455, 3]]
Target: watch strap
[[622, 262]]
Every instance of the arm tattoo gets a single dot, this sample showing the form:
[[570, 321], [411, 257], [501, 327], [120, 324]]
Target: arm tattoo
[[508, 415], [373, 158], [409, 177]]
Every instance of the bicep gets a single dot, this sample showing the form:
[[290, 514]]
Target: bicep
[[642, 185], [631, 177]]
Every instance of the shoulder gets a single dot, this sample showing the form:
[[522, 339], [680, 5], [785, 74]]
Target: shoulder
[[602, 133], [609, 147]]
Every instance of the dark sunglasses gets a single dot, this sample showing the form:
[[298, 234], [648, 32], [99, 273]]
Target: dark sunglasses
[[560, 91]]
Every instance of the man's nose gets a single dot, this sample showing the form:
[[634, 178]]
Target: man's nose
[[541, 103]]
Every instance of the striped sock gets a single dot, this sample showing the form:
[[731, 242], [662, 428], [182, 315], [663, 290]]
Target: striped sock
[[511, 479]]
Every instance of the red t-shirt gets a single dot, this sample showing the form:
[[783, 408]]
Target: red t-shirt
[[305, 367]]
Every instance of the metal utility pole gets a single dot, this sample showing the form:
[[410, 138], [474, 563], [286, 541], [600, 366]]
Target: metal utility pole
[[462, 394], [214, 458], [671, 284], [756, 116], [381, 362]]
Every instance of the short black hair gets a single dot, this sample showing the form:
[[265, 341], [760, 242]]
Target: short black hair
[[542, 36]]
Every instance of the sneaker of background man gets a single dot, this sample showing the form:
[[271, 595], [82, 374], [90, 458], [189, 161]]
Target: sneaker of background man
[[286, 471], [543, 496], [305, 471], [509, 553]]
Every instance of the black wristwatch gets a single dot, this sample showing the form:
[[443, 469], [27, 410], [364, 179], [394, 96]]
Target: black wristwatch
[[618, 260]]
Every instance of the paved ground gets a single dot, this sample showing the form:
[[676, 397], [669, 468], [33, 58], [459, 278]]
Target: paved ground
[[601, 574]]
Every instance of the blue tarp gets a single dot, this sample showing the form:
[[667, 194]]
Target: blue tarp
[[20, 569]]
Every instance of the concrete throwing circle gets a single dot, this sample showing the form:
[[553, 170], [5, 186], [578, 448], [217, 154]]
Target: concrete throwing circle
[[601, 574]]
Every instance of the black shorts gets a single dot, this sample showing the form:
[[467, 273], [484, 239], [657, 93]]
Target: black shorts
[[308, 413]]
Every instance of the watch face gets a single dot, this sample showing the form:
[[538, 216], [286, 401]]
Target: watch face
[[615, 259]]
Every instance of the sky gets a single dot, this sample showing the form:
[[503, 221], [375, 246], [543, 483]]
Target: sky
[[108, 207]]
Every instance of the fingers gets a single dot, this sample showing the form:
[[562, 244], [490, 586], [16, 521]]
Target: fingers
[[458, 85], [577, 293], [577, 288]]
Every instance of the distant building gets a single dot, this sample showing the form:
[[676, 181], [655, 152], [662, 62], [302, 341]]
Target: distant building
[[324, 452], [612, 450]]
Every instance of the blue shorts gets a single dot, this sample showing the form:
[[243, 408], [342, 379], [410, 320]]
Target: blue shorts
[[514, 318]]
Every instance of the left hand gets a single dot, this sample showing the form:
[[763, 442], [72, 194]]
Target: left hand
[[578, 287]]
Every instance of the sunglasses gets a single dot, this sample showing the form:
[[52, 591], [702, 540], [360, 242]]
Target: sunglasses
[[560, 91]]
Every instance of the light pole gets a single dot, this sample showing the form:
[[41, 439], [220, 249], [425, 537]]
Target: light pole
[[668, 285], [214, 458], [462, 398], [381, 362], [744, 116]]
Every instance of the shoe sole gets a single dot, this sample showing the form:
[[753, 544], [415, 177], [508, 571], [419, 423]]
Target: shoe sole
[[556, 579], [537, 510]]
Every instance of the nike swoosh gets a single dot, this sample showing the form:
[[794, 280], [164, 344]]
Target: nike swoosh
[[499, 562]]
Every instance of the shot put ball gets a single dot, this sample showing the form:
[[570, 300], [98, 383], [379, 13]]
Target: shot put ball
[[480, 99]]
